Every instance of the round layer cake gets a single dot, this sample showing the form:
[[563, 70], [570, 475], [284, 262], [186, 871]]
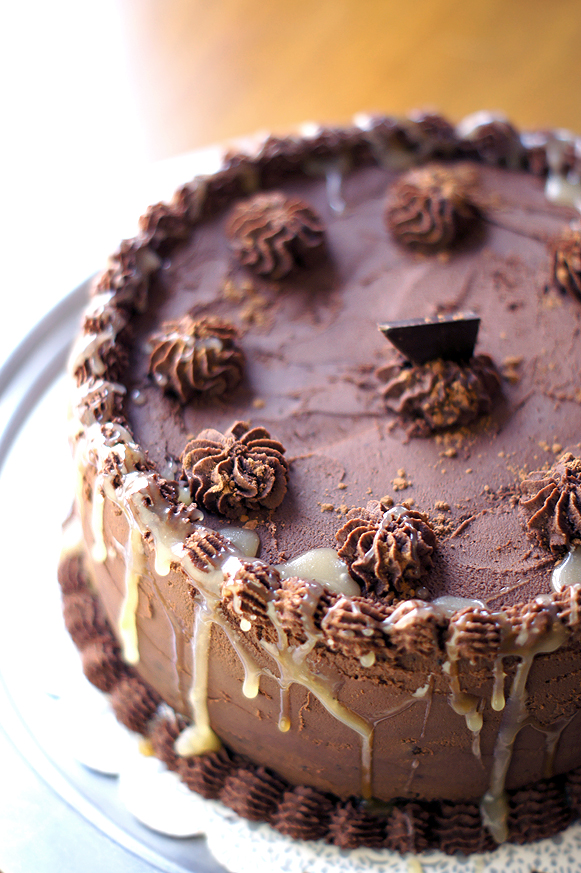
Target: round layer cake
[[326, 421]]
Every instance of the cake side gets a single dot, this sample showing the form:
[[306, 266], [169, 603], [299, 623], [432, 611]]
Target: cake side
[[301, 659]]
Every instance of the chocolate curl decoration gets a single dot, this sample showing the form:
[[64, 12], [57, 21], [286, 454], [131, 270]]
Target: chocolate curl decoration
[[429, 208], [272, 234], [235, 472]]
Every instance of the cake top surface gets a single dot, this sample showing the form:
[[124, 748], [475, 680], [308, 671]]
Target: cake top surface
[[259, 384]]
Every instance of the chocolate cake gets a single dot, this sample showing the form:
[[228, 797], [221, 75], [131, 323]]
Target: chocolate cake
[[326, 419]]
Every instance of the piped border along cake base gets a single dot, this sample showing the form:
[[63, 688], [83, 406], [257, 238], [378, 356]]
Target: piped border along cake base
[[160, 801]]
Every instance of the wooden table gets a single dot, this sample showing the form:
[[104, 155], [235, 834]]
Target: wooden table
[[204, 71]]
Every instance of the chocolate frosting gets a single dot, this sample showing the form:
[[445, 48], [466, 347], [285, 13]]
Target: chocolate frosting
[[430, 207], [83, 617], [461, 830], [240, 471], [415, 630], [535, 809], [196, 358], [134, 703], [205, 549], [164, 224], [303, 814], [272, 234], [206, 774], [567, 262], [102, 662], [493, 139], [253, 793], [388, 551], [128, 274], [352, 826], [539, 810], [408, 829], [353, 626], [435, 135], [475, 634], [439, 394], [300, 606], [551, 505], [248, 593], [162, 734]]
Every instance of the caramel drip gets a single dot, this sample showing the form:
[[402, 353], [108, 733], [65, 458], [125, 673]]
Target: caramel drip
[[552, 736], [334, 184], [333, 172], [291, 662], [497, 700], [199, 737], [414, 865], [139, 499], [494, 804], [89, 347], [468, 705], [427, 692], [323, 566], [559, 188], [99, 549], [413, 767], [567, 572]]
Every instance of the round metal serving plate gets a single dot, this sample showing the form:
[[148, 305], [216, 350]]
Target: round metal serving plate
[[55, 814]]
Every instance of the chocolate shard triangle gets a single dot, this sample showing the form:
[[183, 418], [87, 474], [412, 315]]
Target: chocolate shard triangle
[[450, 337]]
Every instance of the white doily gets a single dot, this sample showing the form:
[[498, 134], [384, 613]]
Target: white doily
[[157, 798]]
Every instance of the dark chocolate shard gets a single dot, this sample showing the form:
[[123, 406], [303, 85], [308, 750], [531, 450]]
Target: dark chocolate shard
[[449, 337]]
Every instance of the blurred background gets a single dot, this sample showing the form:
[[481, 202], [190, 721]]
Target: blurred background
[[98, 96]]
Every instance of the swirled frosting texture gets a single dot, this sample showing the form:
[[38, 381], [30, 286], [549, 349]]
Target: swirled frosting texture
[[439, 394], [196, 357], [551, 504], [430, 207], [272, 234], [567, 262], [388, 551], [237, 471], [248, 592]]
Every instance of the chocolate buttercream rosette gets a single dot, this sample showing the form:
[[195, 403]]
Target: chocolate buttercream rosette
[[388, 549], [196, 358], [430, 208], [550, 505], [439, 395], [273, 234], [437, 383], [241, 470]]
